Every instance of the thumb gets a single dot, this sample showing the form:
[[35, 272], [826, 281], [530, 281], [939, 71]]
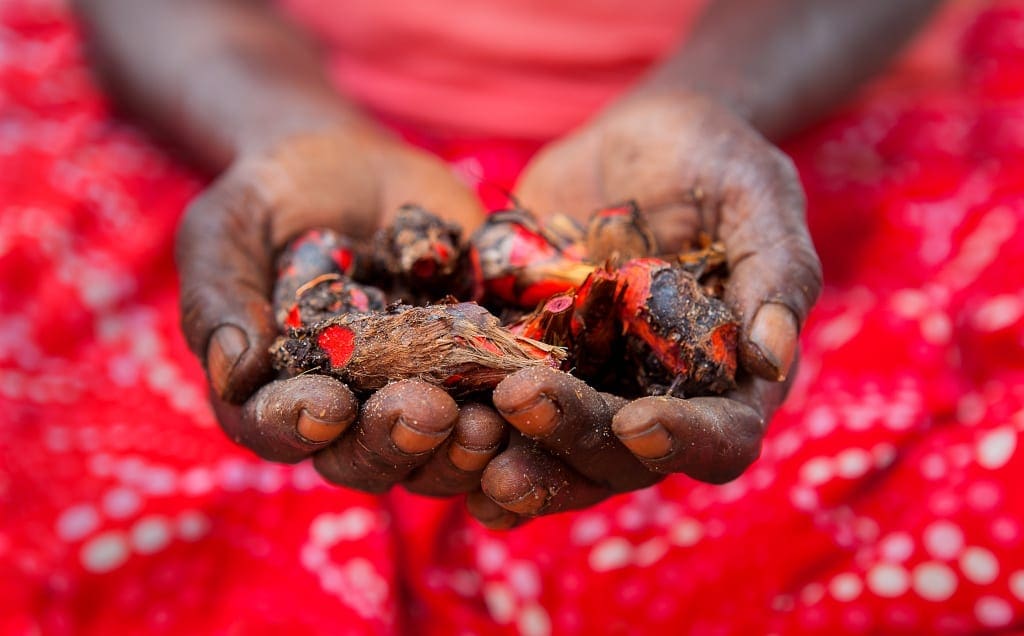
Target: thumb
[[224, 260], [775, 273]]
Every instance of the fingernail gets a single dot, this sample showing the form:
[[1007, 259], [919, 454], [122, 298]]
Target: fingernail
[[317, 430], [227, 345], [653, 442], [530, 503], [412, 440], [469, 459], [774, 333], [536, 419]]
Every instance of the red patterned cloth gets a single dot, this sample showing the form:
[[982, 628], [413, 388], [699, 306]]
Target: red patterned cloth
[[887, 500]]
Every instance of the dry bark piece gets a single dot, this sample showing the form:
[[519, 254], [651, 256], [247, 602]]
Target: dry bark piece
[[551, 322], [460, 347], [619, 233]]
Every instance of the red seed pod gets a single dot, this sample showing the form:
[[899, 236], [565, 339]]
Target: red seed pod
[[679, 337], [521, 265], [325, 297], [460, 347], [425, 257], [316, 253]]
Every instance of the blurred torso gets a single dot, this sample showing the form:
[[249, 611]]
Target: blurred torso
[[504, 68]]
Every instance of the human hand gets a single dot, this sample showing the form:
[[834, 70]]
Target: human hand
[[693, 167], [353, 182]]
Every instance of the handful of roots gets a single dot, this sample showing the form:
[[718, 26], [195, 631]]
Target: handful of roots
[[594, 301]]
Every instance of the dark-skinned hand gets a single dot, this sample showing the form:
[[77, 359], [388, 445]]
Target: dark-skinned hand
[[408, 432], [694, 167]]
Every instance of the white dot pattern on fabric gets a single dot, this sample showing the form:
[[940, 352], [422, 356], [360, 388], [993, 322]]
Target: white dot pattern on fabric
[[686, 532], [104, 552], [500, 602], [491, 556], [353, 524], [77, 522], [611, 554], [192, 525], [534, 621], [998, 312], [1016, 582], [845, 587], [151, 534], [524, 579], [121, 503], [650, 552], [992, 611], [896, 547], [817, 471], [888, 580], [996, 447], [934, 581], [943, 540], [979, 565], [853, 463], [847, 414], [588, 529], [984, 496]]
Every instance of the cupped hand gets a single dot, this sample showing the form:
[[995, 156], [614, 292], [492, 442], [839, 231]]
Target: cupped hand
[[353, 182], [694, 167]]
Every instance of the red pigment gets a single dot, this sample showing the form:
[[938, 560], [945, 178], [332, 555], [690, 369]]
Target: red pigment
[[343, 258], [294, 319], [560, 303], [622, 210], [538, 293], [424, 268], [339, 344]]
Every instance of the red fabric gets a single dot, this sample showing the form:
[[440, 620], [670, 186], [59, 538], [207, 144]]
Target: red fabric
[[887, 499], [514, 68]]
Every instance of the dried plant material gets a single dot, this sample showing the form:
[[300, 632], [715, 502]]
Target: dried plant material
[[626, 322], [521, 265], [618, 234], [424, 258], [665, 317], [460, 347], [551, 322], [316, 254], [325, 297]]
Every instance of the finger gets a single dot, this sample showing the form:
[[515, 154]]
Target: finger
[[709, 439], [290, 419], [224, 264], [457, 464], [529, 481], [490, 514], [775, 274], [415, 176], [572, 421], [397, 431]]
